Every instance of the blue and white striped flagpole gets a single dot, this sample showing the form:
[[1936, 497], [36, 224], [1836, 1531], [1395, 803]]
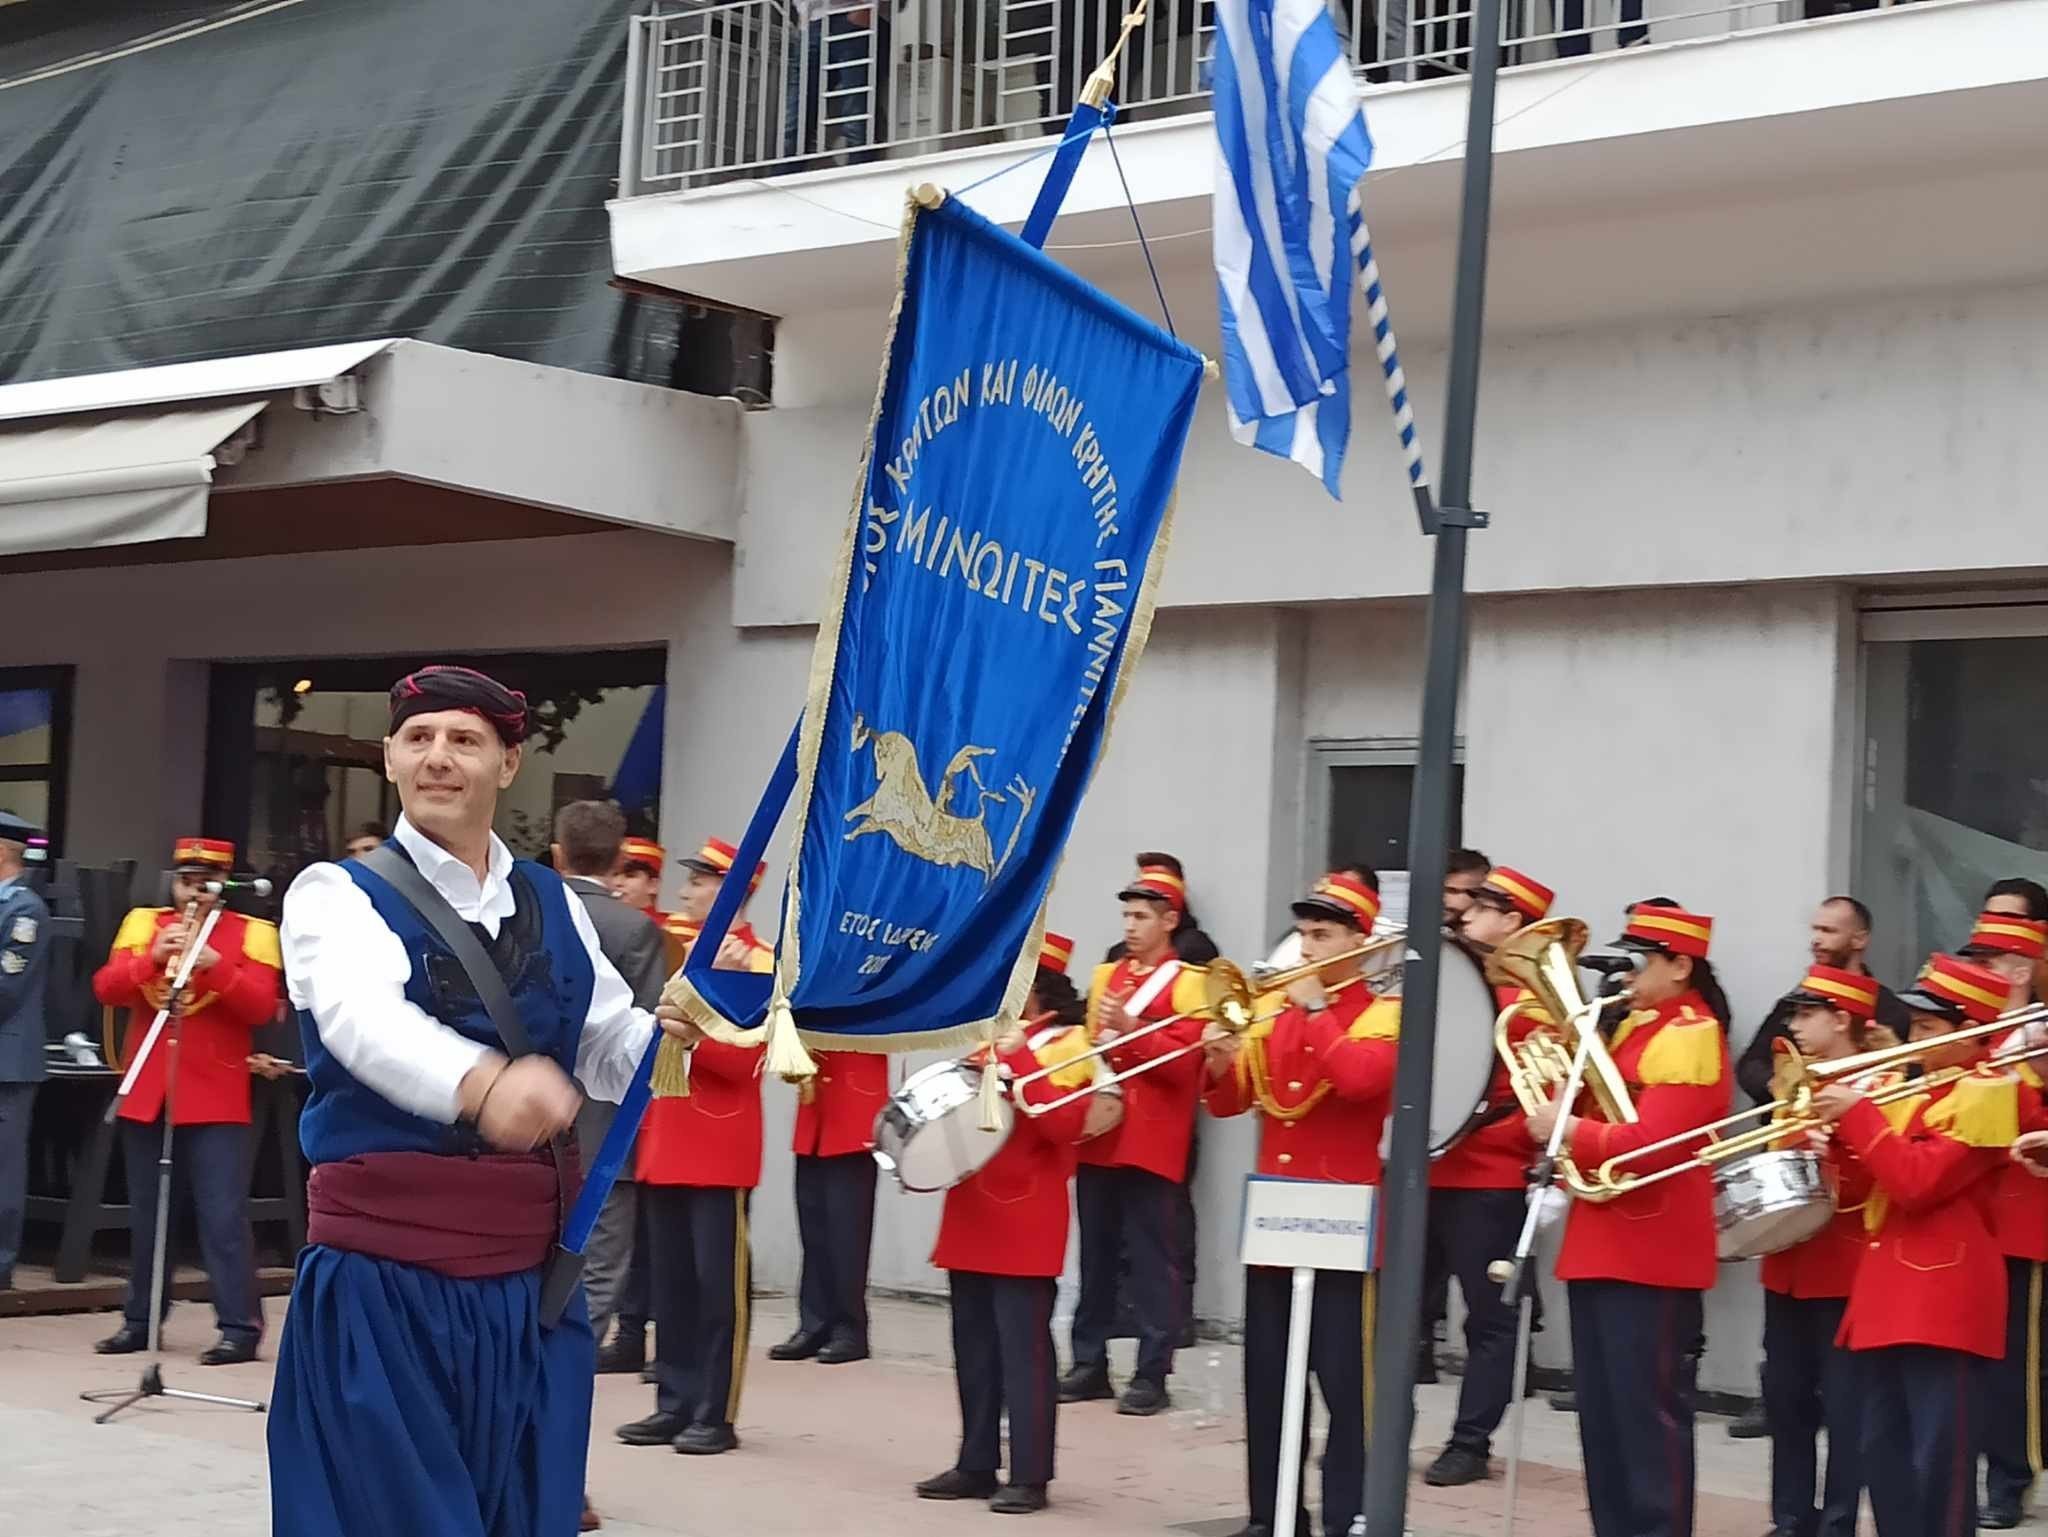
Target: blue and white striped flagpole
[[1396, 379]]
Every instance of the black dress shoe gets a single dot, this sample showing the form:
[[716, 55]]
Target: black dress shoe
[[1565, 1403], [706, 1440], [1999, 1515], [1143, 1396], [1454, 1466], [1750, 1425], [957, 1484], [649, 1375], [124, 1341], [622, 1353], [658, 1429], [1018, 1499], [228, 1352], [842, 1348], [1083, 1383], [800, 1346]]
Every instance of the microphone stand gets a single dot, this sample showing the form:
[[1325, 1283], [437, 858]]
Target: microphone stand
[[172, 1012], [1513, 1274]]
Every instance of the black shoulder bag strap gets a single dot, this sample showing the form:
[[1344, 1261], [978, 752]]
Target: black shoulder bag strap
[[564, 1269]]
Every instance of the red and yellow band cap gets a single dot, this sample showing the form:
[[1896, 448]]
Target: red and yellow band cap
[[2009, 933], [1054, 954], [1530, 898], [642, 851], [1959, 989], [1343, 897], [203, 854], [716, 858], [1672, 929], [1156, 883], [1854, 993]]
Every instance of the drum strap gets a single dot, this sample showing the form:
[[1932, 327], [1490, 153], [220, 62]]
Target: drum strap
[[1151, 988]]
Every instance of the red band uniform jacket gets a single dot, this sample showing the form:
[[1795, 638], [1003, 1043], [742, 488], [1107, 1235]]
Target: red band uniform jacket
[[1323, 1084], [703, 1125], [1159, 1104], [226, 1004], [1825, 1265], [835, 1111], [1496, 1154], [1010, 1216], [1674, 1060]]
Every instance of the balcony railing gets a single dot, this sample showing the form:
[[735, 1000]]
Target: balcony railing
[[724, 89]]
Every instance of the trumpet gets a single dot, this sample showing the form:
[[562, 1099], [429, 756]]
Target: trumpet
[[1231, 1001], [1543, 960], [1792, 1088]]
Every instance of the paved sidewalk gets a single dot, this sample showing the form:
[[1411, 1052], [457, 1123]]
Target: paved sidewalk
[[823, 1447]]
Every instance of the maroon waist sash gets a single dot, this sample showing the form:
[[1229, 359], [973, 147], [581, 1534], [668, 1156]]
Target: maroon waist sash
[[489, 1215]]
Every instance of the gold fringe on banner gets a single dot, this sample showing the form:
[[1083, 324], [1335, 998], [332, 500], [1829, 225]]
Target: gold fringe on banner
[[786, 1057], [991, 1103]]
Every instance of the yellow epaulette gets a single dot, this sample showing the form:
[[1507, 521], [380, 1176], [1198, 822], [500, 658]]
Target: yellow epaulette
[[1380, 1021], [138, 929], [259, 943], [1190, 989], [1688, 1050], [1067, 1055], [1982, 1110]]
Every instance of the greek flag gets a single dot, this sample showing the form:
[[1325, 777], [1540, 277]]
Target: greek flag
[[1292, 153]]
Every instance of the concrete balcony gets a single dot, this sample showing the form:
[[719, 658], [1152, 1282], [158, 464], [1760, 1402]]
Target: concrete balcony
[[1682, 176]]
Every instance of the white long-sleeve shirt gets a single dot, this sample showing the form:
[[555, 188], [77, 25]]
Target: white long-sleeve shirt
[[344, 966]]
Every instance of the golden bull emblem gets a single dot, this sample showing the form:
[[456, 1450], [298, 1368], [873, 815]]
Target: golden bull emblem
[[926, 826]]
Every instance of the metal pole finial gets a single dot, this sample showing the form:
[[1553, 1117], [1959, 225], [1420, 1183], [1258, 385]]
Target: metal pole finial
[[1102, 83]]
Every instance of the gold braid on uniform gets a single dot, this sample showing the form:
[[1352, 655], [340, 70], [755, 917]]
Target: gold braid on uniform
[[1262, 1086]]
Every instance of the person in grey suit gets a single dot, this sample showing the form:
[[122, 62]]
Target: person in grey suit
[[24, 971], [586, 851]]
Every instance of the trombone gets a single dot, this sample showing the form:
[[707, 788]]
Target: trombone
[[1231, 1001], [1791, 1101], [1542, 959]]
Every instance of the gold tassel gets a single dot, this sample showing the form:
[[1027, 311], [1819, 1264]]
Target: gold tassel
[[671, 1076], [991, 1102], [786, 1057]]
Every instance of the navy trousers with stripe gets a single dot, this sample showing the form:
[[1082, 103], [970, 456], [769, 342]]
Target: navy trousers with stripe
[[701, 1275], [1634, 1363], [1003, 1359], [1920, 1408]]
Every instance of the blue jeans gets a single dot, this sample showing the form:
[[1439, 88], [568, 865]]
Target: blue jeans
[[212, 1163]]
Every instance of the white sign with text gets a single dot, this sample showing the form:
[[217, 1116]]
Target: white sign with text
[[1309, 1224]]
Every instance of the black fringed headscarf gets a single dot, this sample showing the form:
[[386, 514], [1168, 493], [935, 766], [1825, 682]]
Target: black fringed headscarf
[[460, 688]]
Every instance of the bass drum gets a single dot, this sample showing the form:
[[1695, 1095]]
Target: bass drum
[[1465, 1058]]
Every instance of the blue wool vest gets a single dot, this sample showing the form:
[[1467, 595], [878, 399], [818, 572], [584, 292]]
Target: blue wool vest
[[544, 965]]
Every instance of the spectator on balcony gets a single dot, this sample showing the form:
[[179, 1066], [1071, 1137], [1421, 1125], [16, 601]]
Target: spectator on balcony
[[1576, 39], [835, 97]]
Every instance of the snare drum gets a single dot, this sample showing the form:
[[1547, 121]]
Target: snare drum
[[929, 1134], [1105, 1112], [1771, 1201]]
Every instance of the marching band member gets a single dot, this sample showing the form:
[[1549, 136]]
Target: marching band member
[[1126, 1196], [416, 1386], [2012, 947], [1321, 1076], [233, 991], [742, 949], [637, 881], [1002, 1241], [698, 1163], [835, 1203], [1637, 1266], [1927, 1309], [1808, 1380], [1477, 1196]]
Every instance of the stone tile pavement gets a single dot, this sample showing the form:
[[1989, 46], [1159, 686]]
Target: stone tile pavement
[[823, 1447]]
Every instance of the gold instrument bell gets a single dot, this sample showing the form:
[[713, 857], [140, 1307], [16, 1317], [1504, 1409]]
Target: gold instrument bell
[[1542, 959]]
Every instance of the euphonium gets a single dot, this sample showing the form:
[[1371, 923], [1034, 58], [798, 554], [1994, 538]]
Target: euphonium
[[1543, 960]]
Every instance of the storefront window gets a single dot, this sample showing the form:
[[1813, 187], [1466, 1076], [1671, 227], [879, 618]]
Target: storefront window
[[311, 775], [1359, 810], [1954, 790], [35, 733]]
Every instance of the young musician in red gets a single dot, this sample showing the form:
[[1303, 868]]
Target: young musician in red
[[1637, 1266], [1477, 1196], [1809, 1381], [637, 882], [1002, 1241], [699, 1159], [2013, 947], [1321, 1076], [1127, 1194], [743, 949], [234, 990], [835, 1204], [1927, 1309]]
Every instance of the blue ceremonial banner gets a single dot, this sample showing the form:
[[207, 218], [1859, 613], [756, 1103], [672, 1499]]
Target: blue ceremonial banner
[[995, 587]]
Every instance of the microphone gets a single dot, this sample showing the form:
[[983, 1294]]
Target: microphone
[[1626, 963], [256, 887]]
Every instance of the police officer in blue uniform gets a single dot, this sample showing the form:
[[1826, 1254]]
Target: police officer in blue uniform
[[24, 970]]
